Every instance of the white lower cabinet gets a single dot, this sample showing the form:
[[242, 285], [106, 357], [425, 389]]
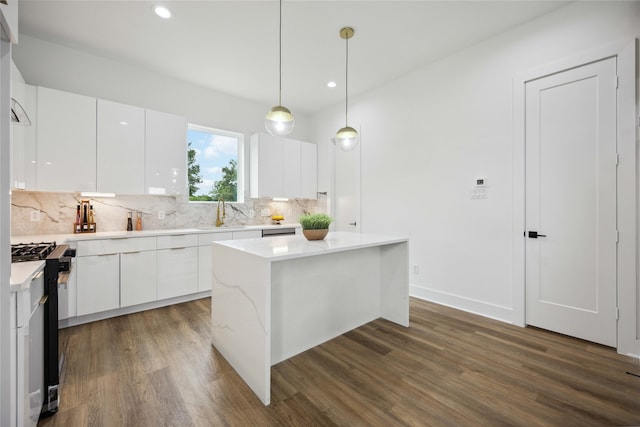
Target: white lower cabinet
[[138, 277], [177, 272], [205, 255], [98, 283], [177, 265], [122, 272], [114, 273]]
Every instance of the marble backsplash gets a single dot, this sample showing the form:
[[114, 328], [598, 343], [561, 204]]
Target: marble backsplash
[[57, 212]]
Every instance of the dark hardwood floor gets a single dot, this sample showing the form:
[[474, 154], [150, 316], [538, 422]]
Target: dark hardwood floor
[[449, 368]]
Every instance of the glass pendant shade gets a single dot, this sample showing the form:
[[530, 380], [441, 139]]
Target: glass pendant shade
[[279, 121], [347, 138]]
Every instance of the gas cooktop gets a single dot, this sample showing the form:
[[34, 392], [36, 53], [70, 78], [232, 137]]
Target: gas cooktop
[[31, 251]]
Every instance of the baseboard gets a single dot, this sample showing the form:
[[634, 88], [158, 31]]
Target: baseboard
[[79, 320], [480, 308]]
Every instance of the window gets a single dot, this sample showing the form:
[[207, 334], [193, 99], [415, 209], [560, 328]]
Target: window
[[214, 164]]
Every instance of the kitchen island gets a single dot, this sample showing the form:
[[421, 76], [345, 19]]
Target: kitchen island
[[273, 298]]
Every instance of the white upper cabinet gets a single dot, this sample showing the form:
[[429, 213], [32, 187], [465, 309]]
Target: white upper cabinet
[[23, 138], [120, 148], [266, 164], [291, 170], [66, 141], [165, 154], [309, 170], [282, 167]]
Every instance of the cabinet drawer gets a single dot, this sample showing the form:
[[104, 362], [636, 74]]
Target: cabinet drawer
[[206, 238], [177, 241], [116, 245], [247, 234]]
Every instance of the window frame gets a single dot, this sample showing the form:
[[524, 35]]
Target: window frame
[[240, 167]]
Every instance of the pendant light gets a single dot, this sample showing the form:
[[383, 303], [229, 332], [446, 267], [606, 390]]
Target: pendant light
[[279, 120], [347, 137]]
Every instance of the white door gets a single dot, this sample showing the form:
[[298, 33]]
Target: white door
[[571, 202], [346, 199]]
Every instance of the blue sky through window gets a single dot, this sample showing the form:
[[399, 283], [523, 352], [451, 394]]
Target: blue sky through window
[[213, 152]]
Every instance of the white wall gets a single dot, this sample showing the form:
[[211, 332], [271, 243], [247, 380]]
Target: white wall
[[428, 135]]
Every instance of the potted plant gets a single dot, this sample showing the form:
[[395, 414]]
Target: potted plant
[[315, 226]]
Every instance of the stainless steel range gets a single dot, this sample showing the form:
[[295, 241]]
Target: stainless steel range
[[57, 259]]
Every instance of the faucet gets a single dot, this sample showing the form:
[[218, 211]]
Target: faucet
[[219, 219]]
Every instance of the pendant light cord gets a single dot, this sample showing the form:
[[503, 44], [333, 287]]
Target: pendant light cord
[[280, 56], [346, 84]]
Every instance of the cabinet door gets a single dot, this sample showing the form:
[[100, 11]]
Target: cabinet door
[[177, 272], [291, 168], [120, 148], [308, 171], [138, 276], [66, 141], [98, 283], [18, 136], [205, 257], [266, 166], [205, 268], [165, 153]]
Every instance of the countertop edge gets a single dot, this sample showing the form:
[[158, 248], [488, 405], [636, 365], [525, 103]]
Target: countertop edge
[[71, 237], [245, 245], [22, 273]]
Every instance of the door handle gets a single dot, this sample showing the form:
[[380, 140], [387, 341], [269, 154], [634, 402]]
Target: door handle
[[353, 223], [535, 235]]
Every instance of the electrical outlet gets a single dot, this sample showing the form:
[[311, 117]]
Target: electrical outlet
[[160, 214], [265, 212], [251, 213], [416, 269], [35, 215]]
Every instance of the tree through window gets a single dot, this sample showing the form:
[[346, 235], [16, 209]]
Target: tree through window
[[213, 164]]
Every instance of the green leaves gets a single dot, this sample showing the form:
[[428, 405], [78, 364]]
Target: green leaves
[[318, 221]]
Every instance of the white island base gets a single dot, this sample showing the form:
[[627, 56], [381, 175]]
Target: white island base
[[273, 298]]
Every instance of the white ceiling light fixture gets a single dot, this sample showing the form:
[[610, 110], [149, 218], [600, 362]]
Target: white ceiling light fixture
[[331, 84], [346, 137], [279, 120], [162, 11]]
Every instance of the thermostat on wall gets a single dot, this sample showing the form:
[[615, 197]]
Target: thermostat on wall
[[481, 182]]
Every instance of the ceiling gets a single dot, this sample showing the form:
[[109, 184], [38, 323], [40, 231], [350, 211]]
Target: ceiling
[[232, 46]]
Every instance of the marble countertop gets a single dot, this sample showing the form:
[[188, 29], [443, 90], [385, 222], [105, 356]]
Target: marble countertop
[[289, 247], [60, 238], [22, 273]]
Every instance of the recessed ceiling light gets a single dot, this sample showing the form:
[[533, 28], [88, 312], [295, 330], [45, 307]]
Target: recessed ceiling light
[[162, 12], [331, 84]]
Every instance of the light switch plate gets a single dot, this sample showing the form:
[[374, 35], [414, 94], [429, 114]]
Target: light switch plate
[[35, 215]]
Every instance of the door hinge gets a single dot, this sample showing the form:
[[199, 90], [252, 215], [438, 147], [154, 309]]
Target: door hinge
[[617, 159], [617, 82], [617, 313], [617, 236]]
